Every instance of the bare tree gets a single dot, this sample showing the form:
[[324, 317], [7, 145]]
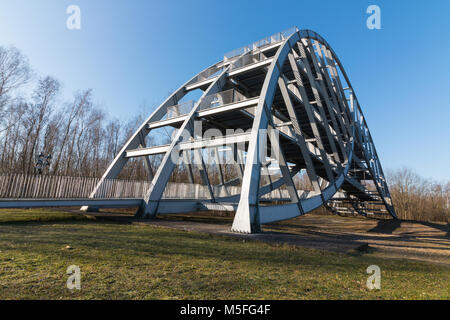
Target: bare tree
[[38, 114], [71, 121], [416, 198], [14, 72]]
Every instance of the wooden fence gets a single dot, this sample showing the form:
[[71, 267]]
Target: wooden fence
[[28, 186]]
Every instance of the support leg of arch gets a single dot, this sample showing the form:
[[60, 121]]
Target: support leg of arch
[[246, 219]]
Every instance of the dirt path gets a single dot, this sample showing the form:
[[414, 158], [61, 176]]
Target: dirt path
[[386, 238]]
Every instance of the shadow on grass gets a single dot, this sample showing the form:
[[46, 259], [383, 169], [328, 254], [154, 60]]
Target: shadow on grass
[[46, 221], [389, 226], [219, 220], [386, 226], [445, 228]]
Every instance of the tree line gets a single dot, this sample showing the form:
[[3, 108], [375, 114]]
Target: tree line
[[81, 139], [417, 198]]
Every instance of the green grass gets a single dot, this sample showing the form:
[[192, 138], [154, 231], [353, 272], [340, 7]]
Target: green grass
[[123, 261]]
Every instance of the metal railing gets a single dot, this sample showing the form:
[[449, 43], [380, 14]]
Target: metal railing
[[210, 101], [216, 70], [208, 74], [277, 37], [248, 60], [180, 109], [221, 99]]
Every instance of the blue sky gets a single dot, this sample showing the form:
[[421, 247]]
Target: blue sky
[[133, 53]]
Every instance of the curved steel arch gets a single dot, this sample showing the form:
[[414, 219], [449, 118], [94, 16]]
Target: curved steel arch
[[249, 215], [380, 182], [290, 93]]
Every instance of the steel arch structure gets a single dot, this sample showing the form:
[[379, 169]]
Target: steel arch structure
[[289, 94]]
